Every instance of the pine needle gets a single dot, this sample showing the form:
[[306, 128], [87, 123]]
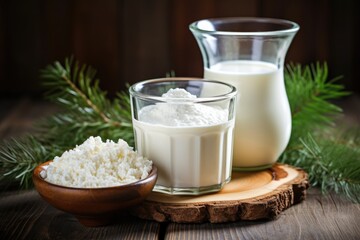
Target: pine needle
[[309, 92], [86, 111], [332, 160], [19, 157]]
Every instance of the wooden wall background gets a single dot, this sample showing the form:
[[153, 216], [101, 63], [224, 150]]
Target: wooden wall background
[[133, 40]]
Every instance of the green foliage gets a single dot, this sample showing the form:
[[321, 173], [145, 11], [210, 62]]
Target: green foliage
[[332, 160], [88, 112], [309, 92], [19, 157], [332, 164]]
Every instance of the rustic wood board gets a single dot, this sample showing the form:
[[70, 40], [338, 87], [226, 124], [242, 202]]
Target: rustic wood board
[[248, 196]]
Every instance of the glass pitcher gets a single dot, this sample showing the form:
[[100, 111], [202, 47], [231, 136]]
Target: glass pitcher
[[249, 53]]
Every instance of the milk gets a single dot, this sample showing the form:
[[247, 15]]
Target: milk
[[187, 157], [263, 118], [189, 142]]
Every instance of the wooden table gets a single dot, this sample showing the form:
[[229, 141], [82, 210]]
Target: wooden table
[[24, 215]]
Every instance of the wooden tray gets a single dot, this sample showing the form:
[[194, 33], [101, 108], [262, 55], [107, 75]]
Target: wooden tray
[[248, 196]]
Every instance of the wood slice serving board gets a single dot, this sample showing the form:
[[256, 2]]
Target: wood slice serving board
[[248, 196]]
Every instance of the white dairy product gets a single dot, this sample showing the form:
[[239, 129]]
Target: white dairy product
[[96, 164], [190, 143], [178, 112], [263, 118], [178, 93]]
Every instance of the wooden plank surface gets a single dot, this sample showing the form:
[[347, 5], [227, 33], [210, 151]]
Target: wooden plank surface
[[24, 215], [318, 217], [17, 116], [248, 196]]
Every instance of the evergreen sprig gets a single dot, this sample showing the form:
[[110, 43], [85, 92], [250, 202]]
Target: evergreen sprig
[[85, 111], [18, 159], [331, 159], [88, 111], [332, 164], [309, 92]]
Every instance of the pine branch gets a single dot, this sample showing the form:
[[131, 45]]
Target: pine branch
[[88, 111], [309, 92], [75, 88], [333, 165], [19, 157], [332, 160]]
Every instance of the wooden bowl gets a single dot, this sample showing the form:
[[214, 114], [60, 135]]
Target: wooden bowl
[[94, 206]]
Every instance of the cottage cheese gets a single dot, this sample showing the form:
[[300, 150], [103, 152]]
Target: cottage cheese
[[96, 164]]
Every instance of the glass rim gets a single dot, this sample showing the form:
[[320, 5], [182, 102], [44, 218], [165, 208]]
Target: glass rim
[[292, 26], [232, 90]]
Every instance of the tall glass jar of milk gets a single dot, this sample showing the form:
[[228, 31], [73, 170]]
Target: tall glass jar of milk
[[249, 54]]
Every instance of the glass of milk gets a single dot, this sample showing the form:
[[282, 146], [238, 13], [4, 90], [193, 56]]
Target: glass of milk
[[249, 53], [187, 131]]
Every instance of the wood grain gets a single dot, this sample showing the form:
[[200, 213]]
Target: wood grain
[[319, 217], [18, 116], [128, 41], [24, 215], [248, 196]]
